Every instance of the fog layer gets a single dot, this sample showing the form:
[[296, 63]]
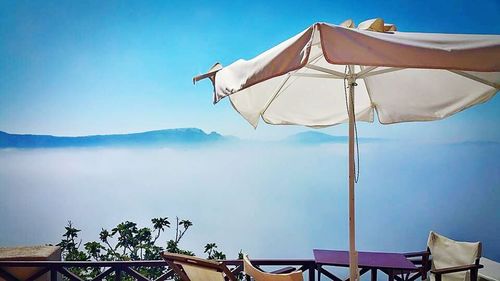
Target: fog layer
[[273, 201]]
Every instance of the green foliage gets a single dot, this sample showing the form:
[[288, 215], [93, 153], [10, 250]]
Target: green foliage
[[213, 254], [127, 241]]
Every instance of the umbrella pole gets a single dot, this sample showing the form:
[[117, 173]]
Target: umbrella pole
[[353, 255]]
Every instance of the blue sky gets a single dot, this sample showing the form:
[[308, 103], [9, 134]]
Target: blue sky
[[97, 67]]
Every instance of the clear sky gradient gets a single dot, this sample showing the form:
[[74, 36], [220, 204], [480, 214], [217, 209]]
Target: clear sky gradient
[[99, 67]]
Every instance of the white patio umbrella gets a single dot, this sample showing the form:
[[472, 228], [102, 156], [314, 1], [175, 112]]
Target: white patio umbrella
[[402, 76]]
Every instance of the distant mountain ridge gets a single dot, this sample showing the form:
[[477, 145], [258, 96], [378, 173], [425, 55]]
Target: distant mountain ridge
[[314, 137], [181, 136], [166, 137]]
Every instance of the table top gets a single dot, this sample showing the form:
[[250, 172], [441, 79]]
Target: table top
[[365, 259]]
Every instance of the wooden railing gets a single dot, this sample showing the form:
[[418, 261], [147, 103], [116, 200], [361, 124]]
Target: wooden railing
[[119, 270]]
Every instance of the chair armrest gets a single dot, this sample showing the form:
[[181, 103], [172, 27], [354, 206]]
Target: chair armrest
[[417, 254], [423, 262], [420, 258], [456, 268]]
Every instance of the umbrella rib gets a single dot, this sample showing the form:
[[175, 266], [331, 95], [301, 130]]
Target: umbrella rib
[[315, 75], [382, 71], [315, 58], [278, 89], [477, 79], [364, 71], [369, 93], [368, 90], [337, 74], [275, 95]]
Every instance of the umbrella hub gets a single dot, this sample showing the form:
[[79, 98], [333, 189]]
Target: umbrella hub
[[351, 79]]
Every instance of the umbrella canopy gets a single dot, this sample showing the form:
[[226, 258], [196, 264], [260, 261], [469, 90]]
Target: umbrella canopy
[[329, 74]]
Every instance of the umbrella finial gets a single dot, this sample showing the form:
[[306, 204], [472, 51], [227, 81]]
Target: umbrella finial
[[377, 25], [372, 25], [389, 27], [349, 23]]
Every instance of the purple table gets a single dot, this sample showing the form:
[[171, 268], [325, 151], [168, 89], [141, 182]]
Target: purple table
[[389, 263]]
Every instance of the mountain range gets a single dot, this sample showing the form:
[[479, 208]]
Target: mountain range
[[167, 137], [183, 136]]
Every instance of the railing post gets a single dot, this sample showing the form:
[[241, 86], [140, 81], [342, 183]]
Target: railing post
[[425, 265], [118, 274], [53, 274], [312, 271], [373, 274], [391, 275]]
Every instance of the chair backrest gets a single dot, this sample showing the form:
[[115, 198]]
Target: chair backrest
[[448, 253], [190, 268], [259, 275]]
